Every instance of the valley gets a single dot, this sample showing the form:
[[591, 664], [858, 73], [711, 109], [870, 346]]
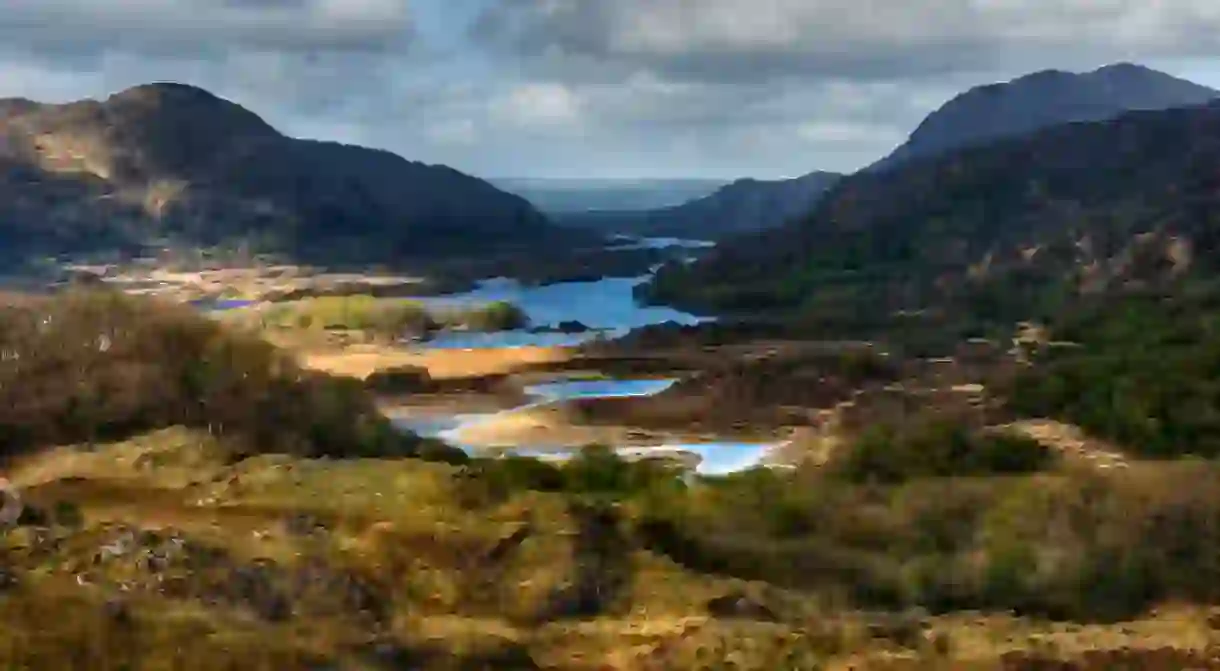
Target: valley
[[321, 407]]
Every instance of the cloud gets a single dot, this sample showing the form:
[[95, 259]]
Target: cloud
[[296, 61], [734, 40], [184, 27], [589, 87], [545, 105]]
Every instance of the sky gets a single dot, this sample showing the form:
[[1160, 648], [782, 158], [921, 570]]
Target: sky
[[594, 88]]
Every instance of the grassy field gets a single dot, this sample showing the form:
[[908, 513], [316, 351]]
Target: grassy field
[[159, 553]]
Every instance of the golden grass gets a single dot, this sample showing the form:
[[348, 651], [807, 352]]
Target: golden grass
[[360, 362], [402, 524]]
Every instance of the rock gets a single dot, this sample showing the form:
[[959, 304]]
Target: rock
[[572, 326], [740, 606]]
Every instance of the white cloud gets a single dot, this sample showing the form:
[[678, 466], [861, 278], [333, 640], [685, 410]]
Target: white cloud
[[539, 105], [752, 39]]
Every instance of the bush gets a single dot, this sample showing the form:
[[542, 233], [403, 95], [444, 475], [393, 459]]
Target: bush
[[1143, 375], [495, 316], [97, 365], [936, 448], [385, 316]]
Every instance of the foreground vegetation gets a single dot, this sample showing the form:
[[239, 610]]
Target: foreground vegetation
[[186, 509], [96, 365], [162, 552]]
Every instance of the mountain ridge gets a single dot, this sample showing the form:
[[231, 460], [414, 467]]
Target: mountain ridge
[[746, 204], [1001, 232], [1041, 99], [169, 160]]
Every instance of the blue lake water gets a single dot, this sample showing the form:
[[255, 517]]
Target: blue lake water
[[716, 458], [217, 305], [572, 389], [606, 305]]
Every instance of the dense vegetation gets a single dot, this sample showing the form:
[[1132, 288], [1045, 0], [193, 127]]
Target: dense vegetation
[[895, 532], [936, 447], [1142, 372], [96, 365], [1013, 230]]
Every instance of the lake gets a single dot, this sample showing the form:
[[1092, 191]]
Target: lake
[[607, 305], [716, 458]]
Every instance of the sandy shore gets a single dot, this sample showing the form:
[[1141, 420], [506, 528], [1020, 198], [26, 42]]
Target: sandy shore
[[362, 361]]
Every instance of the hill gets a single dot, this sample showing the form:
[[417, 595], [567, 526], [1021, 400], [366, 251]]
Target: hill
[[991, 234], [172, 163], [743, 205], [1042, 99]]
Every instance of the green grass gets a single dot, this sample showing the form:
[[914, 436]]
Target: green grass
[[388, 316]]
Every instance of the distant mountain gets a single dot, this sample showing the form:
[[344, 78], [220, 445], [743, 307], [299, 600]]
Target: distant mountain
[[173, 163], [568, 195], [744, 205], [1042, 99], [1017, 228], [741, 206]]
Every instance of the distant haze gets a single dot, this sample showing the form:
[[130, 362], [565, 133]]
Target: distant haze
[[561, 195]]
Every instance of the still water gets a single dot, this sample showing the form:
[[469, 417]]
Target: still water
[[716, 458], [607, 306]]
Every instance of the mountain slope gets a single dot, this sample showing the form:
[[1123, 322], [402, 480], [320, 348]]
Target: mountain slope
[[741, 206], [1044, 99], [992, 233], [171, 161], [744, 205]]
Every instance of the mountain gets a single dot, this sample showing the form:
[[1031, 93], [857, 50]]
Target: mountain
[[1042, 99], [744, 205], [991, 234], [568, 195], [171, 162]]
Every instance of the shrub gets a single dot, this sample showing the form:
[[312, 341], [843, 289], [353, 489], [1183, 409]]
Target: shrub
[[495, 316], [936, 448], [93, 365]]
